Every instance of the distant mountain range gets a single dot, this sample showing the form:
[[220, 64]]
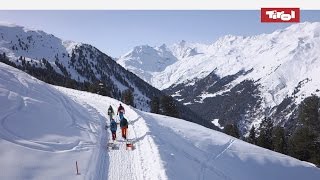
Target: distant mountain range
[[237, 79]]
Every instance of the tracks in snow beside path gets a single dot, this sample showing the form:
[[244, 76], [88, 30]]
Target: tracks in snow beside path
[[210, 165], [19, 105]]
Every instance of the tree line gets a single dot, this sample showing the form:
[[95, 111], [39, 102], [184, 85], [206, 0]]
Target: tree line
[[45, 72], [303, 143], [164, 105]]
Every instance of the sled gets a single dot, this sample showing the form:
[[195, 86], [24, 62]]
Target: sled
[[129, 145], [112, 145]]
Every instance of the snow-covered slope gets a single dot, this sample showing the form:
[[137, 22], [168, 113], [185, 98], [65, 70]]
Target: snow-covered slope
[[191, 152], [282, 64], [18, 41], [46, 129], [43, 132]]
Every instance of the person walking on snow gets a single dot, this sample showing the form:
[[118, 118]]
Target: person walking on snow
[[120, 111], [110, 112], [113, 129], [124, 127]]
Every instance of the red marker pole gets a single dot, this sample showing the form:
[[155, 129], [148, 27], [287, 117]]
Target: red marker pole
[[77, 168]]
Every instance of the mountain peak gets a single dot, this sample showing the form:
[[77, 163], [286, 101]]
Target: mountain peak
[[163, 46], [306, 28], [304, 25], [12, 26], [182, 43], [144, 47]]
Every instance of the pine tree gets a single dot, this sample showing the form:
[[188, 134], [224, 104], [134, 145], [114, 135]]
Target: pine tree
[[128, 97], [93, 87], [103, 90], [304, 144], [155, 105], [168, 107], [232, 130], [265, 138], [309, 113], [252, 136], [279, 140]]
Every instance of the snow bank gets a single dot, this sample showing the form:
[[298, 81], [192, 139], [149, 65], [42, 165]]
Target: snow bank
[[42, 132], [191, 151]]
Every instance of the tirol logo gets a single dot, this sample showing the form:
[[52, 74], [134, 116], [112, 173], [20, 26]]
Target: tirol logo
[[280, 14]]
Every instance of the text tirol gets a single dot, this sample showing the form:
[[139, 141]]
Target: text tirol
[[280, 14]]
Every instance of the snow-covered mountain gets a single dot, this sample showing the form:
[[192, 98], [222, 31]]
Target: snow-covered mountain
[[143, 60], [81, 62], [242, 79], [45, 130], [32, 50], [150, 63]]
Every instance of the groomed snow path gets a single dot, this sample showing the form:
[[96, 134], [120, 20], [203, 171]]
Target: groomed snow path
[[143, 162]]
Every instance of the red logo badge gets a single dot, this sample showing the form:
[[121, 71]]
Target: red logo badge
[[280, 15]]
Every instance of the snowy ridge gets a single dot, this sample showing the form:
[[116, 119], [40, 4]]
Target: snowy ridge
[[78, 61], [280, 65], [283, 58], [144, 60], [45, 129], [34, 44]]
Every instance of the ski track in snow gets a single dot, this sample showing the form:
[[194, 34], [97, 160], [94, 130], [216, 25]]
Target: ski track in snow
[[150, 145], [12, 137], [210, 165], [99, 156]]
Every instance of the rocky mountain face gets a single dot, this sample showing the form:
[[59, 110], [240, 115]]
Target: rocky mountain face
[[239, 79]]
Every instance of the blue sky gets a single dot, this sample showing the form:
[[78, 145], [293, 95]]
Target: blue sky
[[116, 32]]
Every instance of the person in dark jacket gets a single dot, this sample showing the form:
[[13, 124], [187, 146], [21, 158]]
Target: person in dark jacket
[[120, 111], [113, 129], [124, 127], [110, 112]]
